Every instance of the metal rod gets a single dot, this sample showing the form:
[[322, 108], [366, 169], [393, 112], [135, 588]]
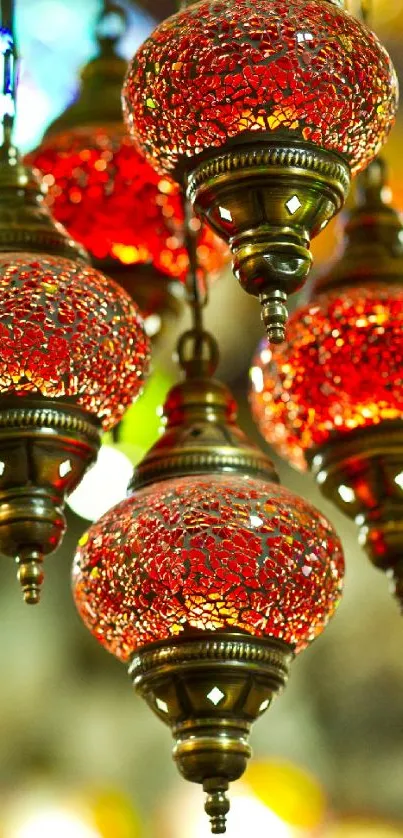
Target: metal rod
[[9, 84], [193, 293]]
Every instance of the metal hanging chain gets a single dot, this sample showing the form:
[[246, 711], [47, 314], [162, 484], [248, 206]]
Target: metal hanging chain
[[197, 348], [9, 83]]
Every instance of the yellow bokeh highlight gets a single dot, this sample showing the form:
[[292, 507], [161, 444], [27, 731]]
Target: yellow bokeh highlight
[[289, 791]]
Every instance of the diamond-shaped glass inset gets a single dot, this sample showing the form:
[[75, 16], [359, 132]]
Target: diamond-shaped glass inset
[[225, 214], [162, 705], [215, 696], [264, 705], [65, 468], [293, 204], [398, 479]]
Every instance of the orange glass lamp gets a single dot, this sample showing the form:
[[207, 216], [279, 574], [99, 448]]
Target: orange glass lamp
[[129, 218], [264, 109], [331, 399]]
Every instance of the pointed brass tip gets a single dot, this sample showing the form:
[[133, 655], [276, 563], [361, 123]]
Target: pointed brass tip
[[30, 575], [274, 315], [217, 804]]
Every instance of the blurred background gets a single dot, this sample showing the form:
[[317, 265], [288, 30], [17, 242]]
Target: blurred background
[[80, 755]]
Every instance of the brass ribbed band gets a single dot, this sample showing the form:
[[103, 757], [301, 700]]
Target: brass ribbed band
[[322, 165], [202, 463], [49, 417], [221, 648], [41, 241]]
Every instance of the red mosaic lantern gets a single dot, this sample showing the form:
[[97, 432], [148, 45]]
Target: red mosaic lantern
[[73, 356], [68, 332], [217, 553], [331, 399], [339, 372], [207, 580], [130, 219], [266, 107], [112, 201]]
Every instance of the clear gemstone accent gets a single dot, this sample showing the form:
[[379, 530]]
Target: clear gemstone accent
[[215, 696], [225, 214], [398, 479], [293, 204], [162, 705], [264, 705], [64, 468]]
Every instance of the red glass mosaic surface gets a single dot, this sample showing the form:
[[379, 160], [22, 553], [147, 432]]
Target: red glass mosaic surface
[[289, 67], [115, 204], [66, 330], [340, 369], [219, 552]]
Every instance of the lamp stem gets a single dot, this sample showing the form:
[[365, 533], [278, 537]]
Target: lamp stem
[[110, 26], [197, 349], [193, 291], [9, 84]]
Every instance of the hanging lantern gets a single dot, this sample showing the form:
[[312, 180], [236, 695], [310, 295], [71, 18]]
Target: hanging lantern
[[130, 219], [72, 358], [331, 399], [73, 355], [265, 107], [208, 579]]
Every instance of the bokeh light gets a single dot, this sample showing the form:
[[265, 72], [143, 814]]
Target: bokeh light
[[293, 794]]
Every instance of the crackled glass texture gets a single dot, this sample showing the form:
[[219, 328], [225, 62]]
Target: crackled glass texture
[[293, 68], [68, 331], [208, 553], [112, 201], [341, 368]]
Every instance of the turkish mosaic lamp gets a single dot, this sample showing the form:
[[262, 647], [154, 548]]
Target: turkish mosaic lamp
[[208, 580], [264, 108], [73, 356], [130, 219], [331, 399]]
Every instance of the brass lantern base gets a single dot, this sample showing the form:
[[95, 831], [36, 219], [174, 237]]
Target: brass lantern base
[[362, 474], [267, 198], [209, 688], [45, 448]]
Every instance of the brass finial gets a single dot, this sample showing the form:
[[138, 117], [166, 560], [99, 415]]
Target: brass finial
[[217, 804], [30, 575], [274, 315]]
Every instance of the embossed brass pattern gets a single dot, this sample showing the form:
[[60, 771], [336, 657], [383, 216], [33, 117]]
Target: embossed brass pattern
[[373, 237], [267, 200], [25, 222], [201, 436], [209, 689], [45, 448]]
